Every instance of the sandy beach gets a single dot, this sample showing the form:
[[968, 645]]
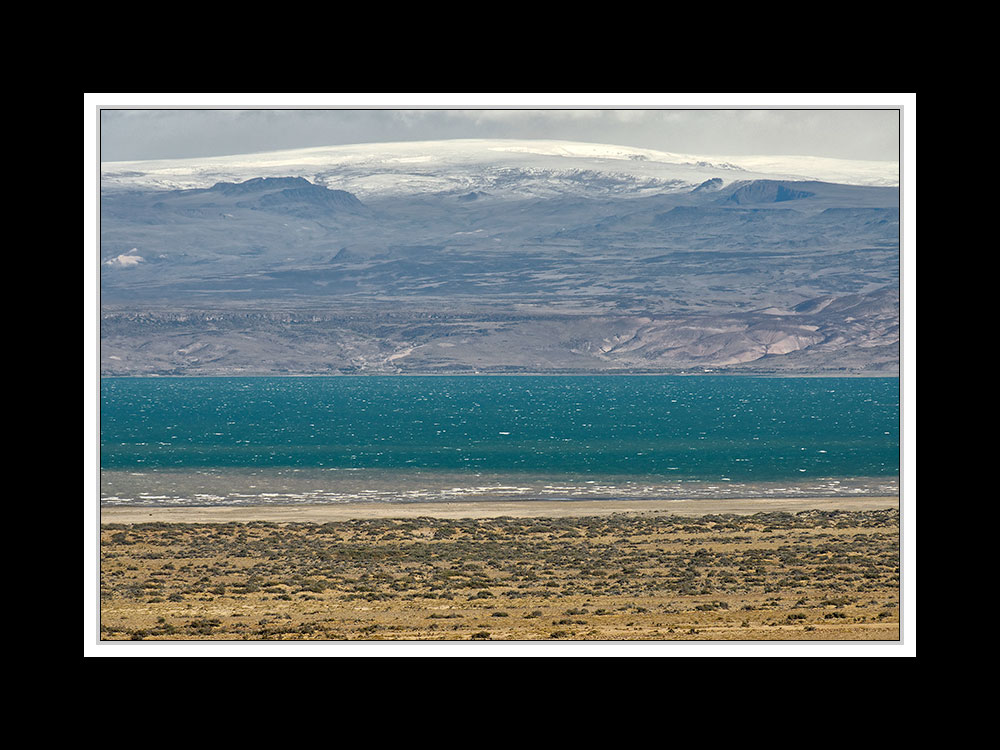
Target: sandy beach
[[326, 513]]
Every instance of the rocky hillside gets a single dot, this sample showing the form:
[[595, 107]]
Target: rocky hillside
[[849, 334]]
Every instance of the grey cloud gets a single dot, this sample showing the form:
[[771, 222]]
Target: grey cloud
[[177, 133]]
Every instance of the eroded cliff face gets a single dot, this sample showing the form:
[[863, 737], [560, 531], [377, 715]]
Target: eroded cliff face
[[859, 334]]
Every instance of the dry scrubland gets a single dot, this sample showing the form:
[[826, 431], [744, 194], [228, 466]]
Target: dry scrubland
[[813, 575]]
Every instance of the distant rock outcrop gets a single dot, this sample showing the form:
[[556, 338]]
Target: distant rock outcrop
[[709, 185], [767, 191], [291, 195], [259, 185], [313, 196]]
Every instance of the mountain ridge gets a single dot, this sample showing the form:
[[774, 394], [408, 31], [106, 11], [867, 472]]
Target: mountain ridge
[[567, 260]]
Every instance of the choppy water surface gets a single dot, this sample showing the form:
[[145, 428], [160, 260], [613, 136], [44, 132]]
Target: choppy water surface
[[202, 441]]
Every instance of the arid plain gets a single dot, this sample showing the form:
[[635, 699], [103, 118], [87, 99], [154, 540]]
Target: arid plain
[[805, 569]]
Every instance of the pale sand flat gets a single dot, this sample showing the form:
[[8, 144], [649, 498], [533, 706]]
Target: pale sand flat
[[487, 509]]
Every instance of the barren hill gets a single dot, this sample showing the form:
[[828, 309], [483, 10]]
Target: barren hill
[[512, 261]]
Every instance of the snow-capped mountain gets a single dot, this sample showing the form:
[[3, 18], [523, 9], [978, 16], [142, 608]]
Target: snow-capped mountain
[[503, 168], [498, 256]]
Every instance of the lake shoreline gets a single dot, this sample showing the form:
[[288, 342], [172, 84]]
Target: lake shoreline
[[333, 512], [894, 374]]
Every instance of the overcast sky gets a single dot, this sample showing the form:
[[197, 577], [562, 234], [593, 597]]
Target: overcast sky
[[130, 131]]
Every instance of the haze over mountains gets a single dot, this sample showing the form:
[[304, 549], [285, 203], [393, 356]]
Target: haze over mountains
[[498, 256]]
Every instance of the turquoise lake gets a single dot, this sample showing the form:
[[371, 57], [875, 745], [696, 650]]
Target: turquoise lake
[[400, 438]]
